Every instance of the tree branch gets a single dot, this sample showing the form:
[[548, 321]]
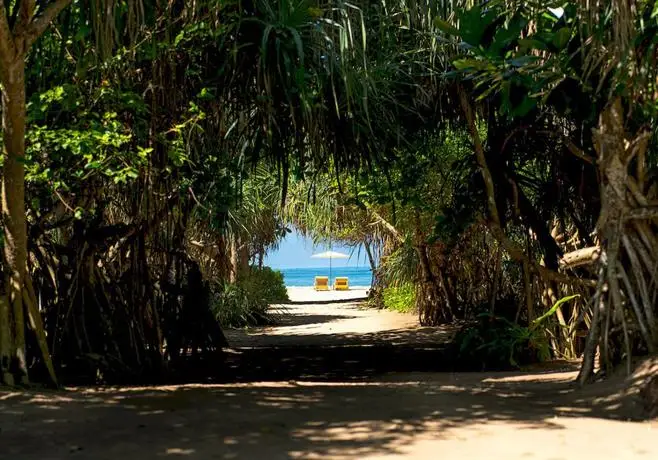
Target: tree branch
[[642, 213], [513, 249], [577, 151], [41, 22], [584, 256], [7, 46], [387, 225], [25, 13]]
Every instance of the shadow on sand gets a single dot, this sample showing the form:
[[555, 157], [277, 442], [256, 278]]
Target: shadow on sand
[[285, 420]]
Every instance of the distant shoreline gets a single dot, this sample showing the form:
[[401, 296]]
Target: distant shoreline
[[305, 277], [352, 288], [323, 267], [307, 294]]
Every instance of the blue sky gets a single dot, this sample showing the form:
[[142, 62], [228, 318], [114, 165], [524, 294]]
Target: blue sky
[[296, 251]]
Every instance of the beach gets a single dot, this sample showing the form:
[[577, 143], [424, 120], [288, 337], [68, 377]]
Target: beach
[[309, 294]]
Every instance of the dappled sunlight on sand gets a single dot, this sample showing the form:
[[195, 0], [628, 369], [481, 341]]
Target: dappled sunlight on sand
[[334, 382], [414, 414]]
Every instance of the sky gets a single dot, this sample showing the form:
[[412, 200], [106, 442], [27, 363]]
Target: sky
[[295, 251]]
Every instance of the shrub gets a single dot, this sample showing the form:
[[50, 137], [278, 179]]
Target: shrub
[[266, 284], [495, 343], [248, 303], [234, 307], [402, 298]]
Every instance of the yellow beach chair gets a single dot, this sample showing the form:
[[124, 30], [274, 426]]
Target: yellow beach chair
[[321, 283], [341, 283]]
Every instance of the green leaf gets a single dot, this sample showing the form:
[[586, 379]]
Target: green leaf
[[471, 64], [205, 94], [561, 38], [526, 105], [553, 309], [507, 35], [531, 43], [472, 25], [446, 27], [522, 60]]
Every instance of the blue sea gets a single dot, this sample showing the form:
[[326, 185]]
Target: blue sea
[[358, 276]]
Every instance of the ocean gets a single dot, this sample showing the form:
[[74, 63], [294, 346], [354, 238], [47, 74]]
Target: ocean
[[294, 277]]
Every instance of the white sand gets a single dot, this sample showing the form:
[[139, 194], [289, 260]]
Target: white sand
[[308, 294], [415, 415], [339, 324]]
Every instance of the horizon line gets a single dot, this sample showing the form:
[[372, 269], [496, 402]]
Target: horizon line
[[316, 267]]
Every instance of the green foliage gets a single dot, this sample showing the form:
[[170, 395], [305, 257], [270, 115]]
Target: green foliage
[[501, 56], [256, 214], [160, 113], [401, 299], [248, 303], [266, 285], [73, 140], [235, 307], [494, 342], [400, 267]]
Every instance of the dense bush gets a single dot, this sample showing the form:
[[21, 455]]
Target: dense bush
[[248, 302], [402, 298], [234, 307], [266, 284], [495, 343]]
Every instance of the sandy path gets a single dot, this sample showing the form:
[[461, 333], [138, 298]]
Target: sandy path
[[420, 415], [347, 323]]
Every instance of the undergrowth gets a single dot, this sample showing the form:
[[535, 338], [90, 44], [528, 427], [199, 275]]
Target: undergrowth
[[250, 301], [496, 343], [266, 284], [401, 299]]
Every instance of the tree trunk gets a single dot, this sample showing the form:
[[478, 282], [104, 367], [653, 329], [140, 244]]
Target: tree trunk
[[432, 300], [15, 41], [13, 213], [496, 281], [626, 286], [6, 377], [371, 258], [239, 259], [243, 259], [233, 275]]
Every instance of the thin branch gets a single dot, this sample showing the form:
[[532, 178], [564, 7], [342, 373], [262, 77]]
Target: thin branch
[[481, 158], [189, 189], [639, 315], [63, 201], [594, 334], [578, 152]]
